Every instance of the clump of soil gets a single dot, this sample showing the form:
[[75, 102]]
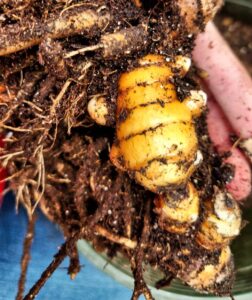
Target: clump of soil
[[57, 157]]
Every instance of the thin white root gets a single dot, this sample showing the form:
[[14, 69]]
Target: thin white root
[[83, 50], [115, 238], [41, 175], [5, 158]]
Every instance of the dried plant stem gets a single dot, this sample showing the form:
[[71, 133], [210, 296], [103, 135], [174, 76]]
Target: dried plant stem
[[70, 23], [26, 256]]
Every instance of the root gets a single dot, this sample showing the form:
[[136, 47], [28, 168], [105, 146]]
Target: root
[[74, 266], [23, 196], [17, 174], [120, 43], [17, 65], [26, 257], [164, 282], [51, 57], [52, 178], [57, 100], [33, 105], [13, 38], [41, 175], [7, 157], [83, 50], [26, 90], [44, 89], [115, 238], [125, 41], [58, 258], [52, 117], [73, 111], [17, 129], [77, 100], [127, 217], [137, 260]]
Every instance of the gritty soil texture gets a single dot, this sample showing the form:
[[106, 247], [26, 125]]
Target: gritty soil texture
[[58, 157], [239, 35]]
